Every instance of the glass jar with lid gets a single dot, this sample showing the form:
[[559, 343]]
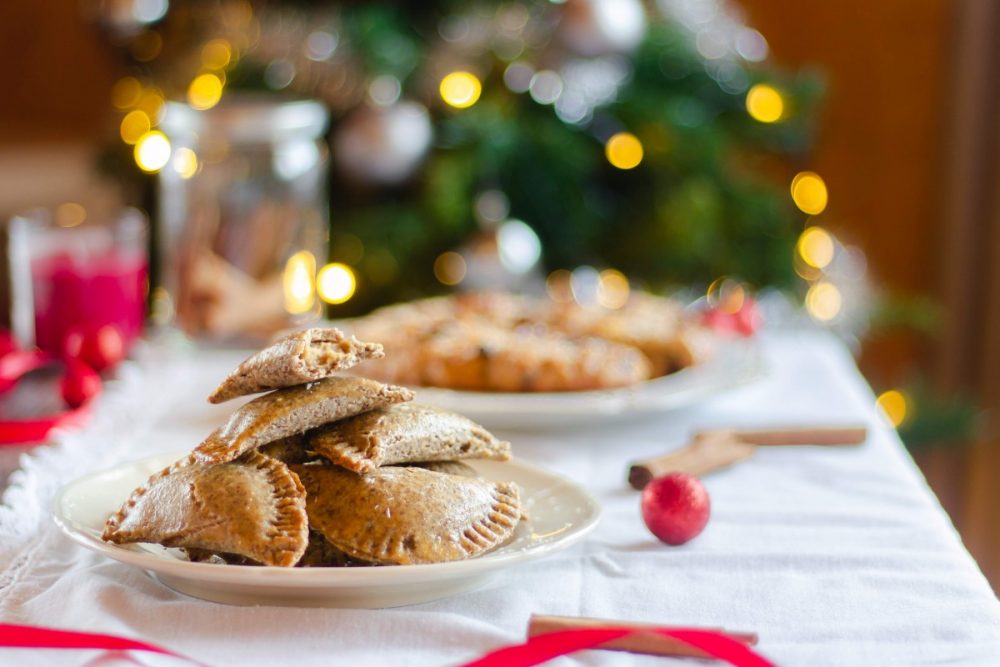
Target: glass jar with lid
[[243, 217]]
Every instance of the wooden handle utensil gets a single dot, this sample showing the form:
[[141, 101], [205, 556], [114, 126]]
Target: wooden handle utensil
[[853, 434], [710, 451], [718, 448]]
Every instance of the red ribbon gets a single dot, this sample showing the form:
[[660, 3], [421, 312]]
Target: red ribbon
[[542, 648], [20, 431], [27, 636], [17, 363], [13, 366], [534, 651]]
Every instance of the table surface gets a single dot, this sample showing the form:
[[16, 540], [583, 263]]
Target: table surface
[[834, 556]]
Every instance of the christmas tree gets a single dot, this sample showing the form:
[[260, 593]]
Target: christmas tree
[[602, 133]]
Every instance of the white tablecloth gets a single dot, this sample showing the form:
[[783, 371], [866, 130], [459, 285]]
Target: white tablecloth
[[835, 556]]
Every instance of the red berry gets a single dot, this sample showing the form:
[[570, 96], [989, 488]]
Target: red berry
[[79, 384], [675, 507]]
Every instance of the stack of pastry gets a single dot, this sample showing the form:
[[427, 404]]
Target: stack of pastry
[[507, 342], [325, 470]]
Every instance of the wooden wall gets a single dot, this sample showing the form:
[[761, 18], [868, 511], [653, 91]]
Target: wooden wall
[[58, 71], [887, 65], [909, 149]]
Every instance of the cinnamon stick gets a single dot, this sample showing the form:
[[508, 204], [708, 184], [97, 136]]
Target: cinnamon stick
[[646, 643], [852, 434], [709, 451]]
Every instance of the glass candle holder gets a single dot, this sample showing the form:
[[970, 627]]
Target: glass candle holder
[[243, 217], [69, 272]]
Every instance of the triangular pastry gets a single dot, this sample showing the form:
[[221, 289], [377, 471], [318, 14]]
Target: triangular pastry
[[301, 357], [292, 410], [402, 434], [254, 507], [404, 515], [448, 467]]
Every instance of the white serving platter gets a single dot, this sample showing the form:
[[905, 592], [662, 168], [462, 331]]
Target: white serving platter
[[560, 514]]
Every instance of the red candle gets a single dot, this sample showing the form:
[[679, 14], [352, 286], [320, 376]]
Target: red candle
[[79, 279], [88, 292]]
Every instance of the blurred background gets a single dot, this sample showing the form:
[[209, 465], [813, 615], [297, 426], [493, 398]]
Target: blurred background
[[840, 159]]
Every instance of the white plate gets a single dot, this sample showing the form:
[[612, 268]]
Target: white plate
[[560, 515], [737, 362]]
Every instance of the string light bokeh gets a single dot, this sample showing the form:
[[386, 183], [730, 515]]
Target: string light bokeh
[[185, 162], [573, 88], [299, 283], [336, 283], [460, 89], [894, 405], [205, 91], [152, 151], [809, 192], [624, 150], [765, 104]]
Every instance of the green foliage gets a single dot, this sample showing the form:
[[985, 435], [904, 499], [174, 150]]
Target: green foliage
[[704, 202], [709, 198], [907, 311], [934, 420]]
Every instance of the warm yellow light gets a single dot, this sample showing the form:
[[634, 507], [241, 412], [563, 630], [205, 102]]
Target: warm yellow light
[[624, 150], [461, 89], [823, 301], [134, 125], [152, 151], [765, 103], [205, 91], [613, 289], [185, 162], [336, 283], [450, 268], [126, 92], [726, 295], [151, 102], [816, 247], [557, 285], [70, 214], [216, 54], [299, 285], [894, 404], [809, 192]]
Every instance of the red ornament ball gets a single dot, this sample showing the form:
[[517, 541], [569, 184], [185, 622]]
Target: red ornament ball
[[675, 507], [80, 383]]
